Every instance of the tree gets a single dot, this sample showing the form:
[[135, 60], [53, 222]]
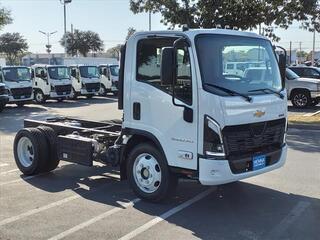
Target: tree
[[131, 31], [13, 45], [82, 42], [5, 17], [234, 13]]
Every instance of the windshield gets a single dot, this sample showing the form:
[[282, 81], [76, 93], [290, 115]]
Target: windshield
[[241, 64], [114, 70], [291, 75], [59, 73], [89, 71], [16, 74]]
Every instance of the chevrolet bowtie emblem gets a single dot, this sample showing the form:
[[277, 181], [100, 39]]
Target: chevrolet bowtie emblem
[[259, 113]]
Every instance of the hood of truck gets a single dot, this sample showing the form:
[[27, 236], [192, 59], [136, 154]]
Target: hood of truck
[[60, 82], [308, 80], [266, 107], [90, 80], [22, 84]]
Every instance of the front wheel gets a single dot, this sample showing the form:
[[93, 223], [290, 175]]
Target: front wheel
[[73, 94], [301, 99], [2, 106], [149, 174], [314, 102], [39, 97], [103, 91], [89, 96], [20, 104]]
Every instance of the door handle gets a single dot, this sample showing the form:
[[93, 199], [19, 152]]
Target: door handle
[[136, 111]]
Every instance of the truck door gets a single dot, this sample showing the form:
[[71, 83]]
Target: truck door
[[41, 80], [152, 108]]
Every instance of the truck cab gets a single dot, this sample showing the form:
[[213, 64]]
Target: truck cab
[[184, 116], [4, 97], [19, 83], [51, 82], [85, 80], [109, 78]]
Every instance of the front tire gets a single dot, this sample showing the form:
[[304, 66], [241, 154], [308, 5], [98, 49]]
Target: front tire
[[314, 102], [20, 105], [103, 91], [89, 96], [30, 151], [73, 94], [301, 99], [149, 174], [2, 106], [39, 97]]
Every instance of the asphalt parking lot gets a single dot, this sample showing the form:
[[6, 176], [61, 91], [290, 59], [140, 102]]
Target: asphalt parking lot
[[75, 202]]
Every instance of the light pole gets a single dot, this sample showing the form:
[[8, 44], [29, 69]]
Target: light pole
[[64, 3], [48, 46]]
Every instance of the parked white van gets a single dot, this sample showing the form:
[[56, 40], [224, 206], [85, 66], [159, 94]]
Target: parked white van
[[51, 82], [19, 83], [109, 78], [85, 80]]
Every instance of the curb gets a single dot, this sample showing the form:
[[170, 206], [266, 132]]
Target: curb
[[304, 126]]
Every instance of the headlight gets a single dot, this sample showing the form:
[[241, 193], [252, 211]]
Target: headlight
[[212, 139]]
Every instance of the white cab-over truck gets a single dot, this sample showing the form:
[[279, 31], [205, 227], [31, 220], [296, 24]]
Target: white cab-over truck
[[19, 83], [4, 97], [183, 117], [51, 82], [109, 78], [85, 81], [303, 92]]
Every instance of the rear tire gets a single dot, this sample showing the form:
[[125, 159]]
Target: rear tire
[[30, 151], [301, 99], [149, 174], [51, 136], [314, 102]]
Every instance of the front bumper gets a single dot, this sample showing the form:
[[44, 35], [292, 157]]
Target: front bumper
[[216, 172], [315, 94], [19, 99], [89, 92], [56, 95]]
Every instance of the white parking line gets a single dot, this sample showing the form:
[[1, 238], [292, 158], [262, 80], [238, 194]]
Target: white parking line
[[167, 214], [311, 114], [4, 164], [51, 205], [292, 216], [21, 179], [95, 219], [37, 210]]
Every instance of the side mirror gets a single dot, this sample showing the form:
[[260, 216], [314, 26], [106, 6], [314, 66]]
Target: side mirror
[[282, 66], [167, 68]]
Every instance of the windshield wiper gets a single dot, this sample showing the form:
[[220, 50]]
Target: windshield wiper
[[230, 92], [268, 90]]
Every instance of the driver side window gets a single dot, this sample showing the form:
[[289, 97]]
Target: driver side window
[[148, 67]]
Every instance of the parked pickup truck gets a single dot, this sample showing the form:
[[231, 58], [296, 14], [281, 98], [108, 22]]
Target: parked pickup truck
[[302, 92], [4, 98]]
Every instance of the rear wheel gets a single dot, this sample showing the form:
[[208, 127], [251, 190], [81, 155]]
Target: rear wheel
[[51, 136], [39, 97], [149, 174], [30, 151], [314, 102], [301, 99]]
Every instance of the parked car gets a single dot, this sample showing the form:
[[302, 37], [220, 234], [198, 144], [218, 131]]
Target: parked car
[[4, 98], [302, 92], [306, 72]]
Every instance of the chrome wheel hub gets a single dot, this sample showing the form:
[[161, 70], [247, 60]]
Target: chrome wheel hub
[[300, 100], [147, 173], [25, 152]]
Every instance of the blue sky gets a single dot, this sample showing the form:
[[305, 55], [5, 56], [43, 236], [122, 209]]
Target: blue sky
[[110, 18]]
